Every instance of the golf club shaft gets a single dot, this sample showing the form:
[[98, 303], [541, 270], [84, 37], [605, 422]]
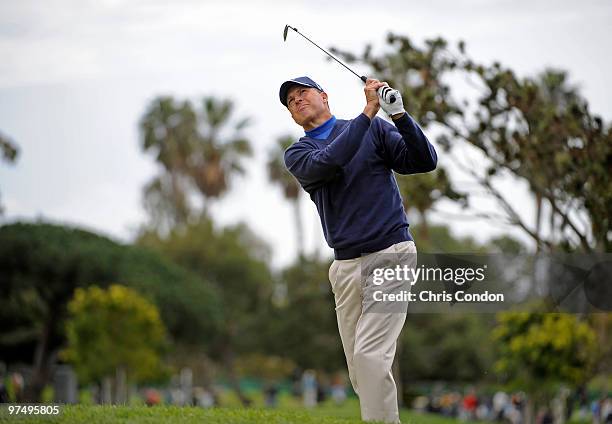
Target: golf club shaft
[[362, 78]]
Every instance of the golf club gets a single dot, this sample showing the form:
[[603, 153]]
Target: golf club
[[362, 78]]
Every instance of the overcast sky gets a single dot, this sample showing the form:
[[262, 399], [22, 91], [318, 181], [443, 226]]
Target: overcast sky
[[76, 76]]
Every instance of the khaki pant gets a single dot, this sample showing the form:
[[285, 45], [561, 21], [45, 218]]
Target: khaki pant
[[369, 329]]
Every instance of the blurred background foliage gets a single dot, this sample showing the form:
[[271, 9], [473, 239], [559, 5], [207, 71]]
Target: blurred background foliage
[[98, 346]]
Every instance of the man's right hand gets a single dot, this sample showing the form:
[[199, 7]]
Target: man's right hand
[[371, 93]]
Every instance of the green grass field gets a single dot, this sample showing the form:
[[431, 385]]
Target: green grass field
[[325, 414]]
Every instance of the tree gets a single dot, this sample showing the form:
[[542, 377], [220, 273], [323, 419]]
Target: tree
[[537, 351], [446, 347], [9, 154], [304, 328], [235, 262], [114, 330], [277, 172], [42, 264], [420, 192], [195, 153], [541, 131], [537, 130]]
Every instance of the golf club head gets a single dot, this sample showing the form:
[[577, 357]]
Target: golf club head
[[285, 32]]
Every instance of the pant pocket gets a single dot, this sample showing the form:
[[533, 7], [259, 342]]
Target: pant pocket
[[405, 247], [332, 273]]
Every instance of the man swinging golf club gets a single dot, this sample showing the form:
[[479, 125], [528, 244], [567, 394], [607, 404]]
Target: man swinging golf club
[[347, 166]]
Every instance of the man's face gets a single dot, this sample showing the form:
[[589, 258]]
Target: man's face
[[306, 104]]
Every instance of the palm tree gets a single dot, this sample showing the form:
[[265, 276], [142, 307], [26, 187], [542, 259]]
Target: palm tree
[[216, 158], [197, 154], [277, 172]]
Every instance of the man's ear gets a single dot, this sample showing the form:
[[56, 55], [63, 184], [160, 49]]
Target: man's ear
[[325, 100]]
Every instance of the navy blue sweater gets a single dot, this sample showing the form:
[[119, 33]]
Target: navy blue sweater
[[349, 176]]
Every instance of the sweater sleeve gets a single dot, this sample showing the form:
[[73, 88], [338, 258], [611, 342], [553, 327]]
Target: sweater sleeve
[[312, 166], [405, 148]]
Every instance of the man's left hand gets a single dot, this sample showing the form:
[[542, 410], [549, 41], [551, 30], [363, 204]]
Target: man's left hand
[[395, 109]]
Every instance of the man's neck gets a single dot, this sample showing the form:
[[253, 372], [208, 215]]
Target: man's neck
[[317, 122]]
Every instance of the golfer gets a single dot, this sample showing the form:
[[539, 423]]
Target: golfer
[[346, 166]]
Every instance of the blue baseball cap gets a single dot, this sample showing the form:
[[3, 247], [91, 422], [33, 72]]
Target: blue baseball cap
[[303, 81]]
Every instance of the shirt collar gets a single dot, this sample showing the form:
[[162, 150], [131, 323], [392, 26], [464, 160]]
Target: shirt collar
[[325, 127]]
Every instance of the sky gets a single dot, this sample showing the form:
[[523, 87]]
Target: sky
[[76, 77]]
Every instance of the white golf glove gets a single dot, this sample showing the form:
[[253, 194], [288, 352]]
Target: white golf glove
[[384, 98]]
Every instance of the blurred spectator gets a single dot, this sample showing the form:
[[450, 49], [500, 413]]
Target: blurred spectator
[[596, 410], [583, 404], [500, 404], [270, 394], [322, 389], [457, 400], [3, 391], [17, 386], [420, 403], [309, 388], [483, 410], [470, 403], [338, 389], [152, 397], [559, 405], [514, 412], [544, 416], [606, 411], [434, 404], [447, 404], [296, 382], [203, 398]]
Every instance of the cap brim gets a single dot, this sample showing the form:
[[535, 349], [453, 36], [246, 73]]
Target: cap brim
[[285, 89]]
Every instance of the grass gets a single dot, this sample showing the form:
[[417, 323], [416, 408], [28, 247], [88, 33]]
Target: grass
[[327, 413]]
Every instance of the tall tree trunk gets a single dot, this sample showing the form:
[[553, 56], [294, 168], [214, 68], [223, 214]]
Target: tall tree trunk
[[228, 361], [121, 389], [106, 391], [41, 365], [180, 214], [299, 225], [424, 226], [538, 219], [552, 227], [529, 412], [530, 408]]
